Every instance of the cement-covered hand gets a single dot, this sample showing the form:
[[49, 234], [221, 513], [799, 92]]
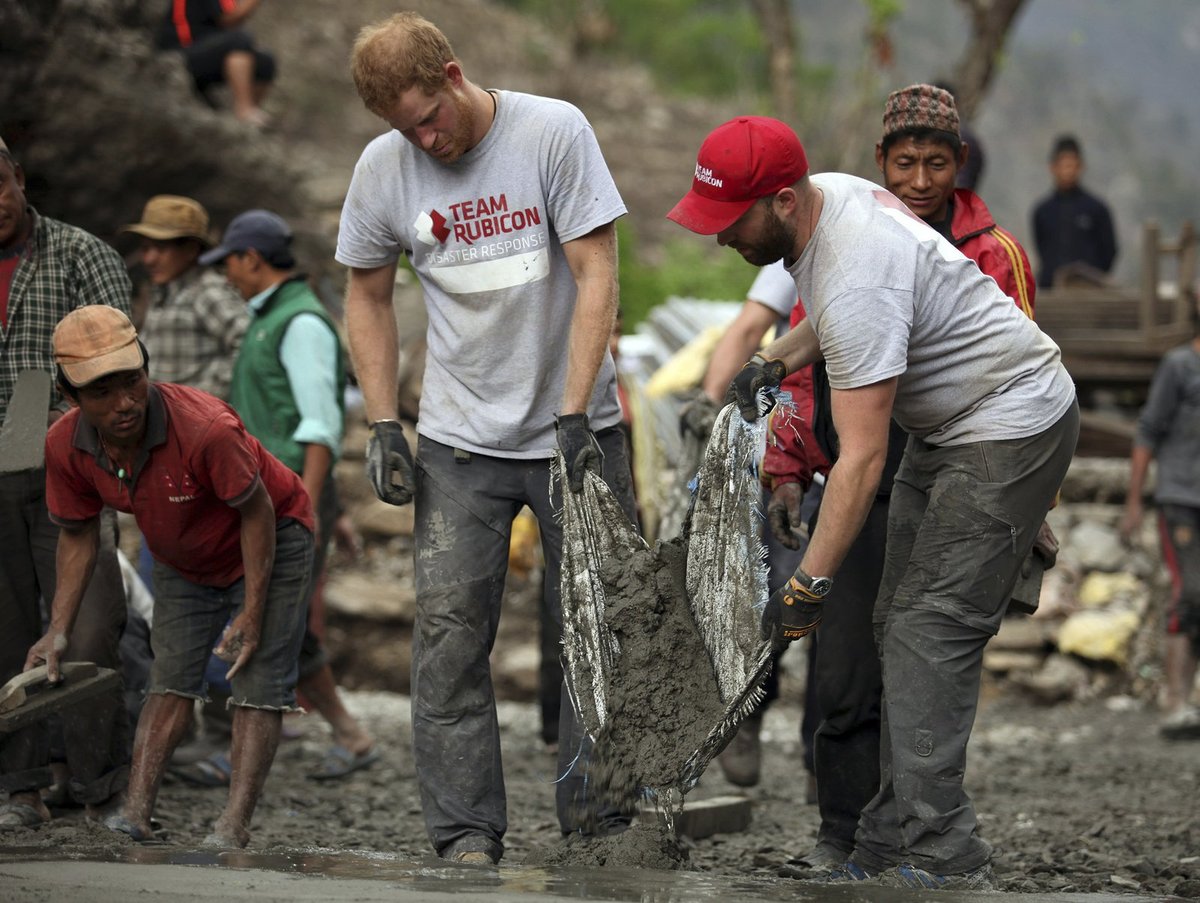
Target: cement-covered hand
[[696, 417], [758, 373], [579, 448], [791, 613], [239, 641], [48, 651], [783, 514], [390, 463]]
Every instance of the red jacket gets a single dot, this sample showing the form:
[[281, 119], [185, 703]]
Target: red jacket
[[996, 252], [793, 455]]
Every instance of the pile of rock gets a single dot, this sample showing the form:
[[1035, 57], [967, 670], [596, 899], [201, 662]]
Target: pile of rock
[[1099, 627]]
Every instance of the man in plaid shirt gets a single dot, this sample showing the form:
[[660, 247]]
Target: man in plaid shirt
[[196, 321], [47, 269]]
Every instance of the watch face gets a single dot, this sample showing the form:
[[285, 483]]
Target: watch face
[[820, 586]]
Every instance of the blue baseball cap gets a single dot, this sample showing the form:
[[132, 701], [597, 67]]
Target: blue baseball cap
[[258, 230]]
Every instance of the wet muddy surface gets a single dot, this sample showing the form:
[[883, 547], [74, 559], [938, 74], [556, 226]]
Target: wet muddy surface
[[1081, 798]]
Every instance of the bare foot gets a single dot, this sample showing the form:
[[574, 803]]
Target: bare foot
[[227, 837], [138, 830], [24, 810], [255, 116], [98, 812]]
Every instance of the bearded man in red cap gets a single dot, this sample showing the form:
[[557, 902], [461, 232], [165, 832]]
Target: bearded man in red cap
[[910, 329], [231, 531], [920, 155]]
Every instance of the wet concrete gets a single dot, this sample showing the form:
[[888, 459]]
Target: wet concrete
[[32, 876]]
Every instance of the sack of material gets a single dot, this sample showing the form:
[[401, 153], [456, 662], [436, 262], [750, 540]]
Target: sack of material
[[663, 653]]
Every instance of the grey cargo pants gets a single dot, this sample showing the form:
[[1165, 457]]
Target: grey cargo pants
[[961, 521], [465, 505]]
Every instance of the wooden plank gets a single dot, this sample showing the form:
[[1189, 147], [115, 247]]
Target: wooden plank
[[47, 699], [704, 818], [28, 683]]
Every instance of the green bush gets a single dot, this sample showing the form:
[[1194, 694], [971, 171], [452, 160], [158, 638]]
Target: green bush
[[690, 269]]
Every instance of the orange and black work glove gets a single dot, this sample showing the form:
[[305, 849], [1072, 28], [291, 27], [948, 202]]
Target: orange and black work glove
[[791, 613], [390, 463], [580, 450], [757, 374]]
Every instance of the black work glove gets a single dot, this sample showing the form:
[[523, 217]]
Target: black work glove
[[783, 514], [791, 613], [758, 373], [390, 463], [579, 448], [696, 417]]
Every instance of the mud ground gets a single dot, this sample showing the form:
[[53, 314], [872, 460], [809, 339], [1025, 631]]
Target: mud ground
[[1079, 797]]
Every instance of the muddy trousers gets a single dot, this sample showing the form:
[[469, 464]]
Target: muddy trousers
[[96, 735], [465, 505], [961, 521], [847, 687]]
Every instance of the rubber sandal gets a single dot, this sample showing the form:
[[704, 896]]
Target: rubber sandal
[[120, 824], [339, 762], [213, 771], [20, 815]]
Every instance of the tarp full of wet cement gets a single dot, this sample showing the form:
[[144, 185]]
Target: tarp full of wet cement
[[663, 651]]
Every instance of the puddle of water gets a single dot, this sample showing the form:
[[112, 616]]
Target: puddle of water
[[413, 880]]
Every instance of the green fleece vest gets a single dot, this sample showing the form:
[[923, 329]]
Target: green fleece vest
[[261, 393]]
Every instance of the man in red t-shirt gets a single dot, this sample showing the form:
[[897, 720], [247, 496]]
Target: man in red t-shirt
[[231, 531]]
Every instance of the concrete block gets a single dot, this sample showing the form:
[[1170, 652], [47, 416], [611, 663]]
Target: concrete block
[[704, 818]]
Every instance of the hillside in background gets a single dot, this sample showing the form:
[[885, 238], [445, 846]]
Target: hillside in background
[[102, 122]]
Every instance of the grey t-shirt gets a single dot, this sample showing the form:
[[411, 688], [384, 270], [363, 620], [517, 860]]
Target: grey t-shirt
[[887, 296], [484, 235], [774, 287], [1170, 426]]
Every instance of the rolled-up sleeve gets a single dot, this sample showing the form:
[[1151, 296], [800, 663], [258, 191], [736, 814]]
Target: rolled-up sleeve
[[309, 353]]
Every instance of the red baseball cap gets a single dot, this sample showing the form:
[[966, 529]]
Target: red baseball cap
[[739, 162]]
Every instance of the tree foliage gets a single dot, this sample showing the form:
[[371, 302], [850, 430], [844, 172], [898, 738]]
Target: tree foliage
[[696, 47]]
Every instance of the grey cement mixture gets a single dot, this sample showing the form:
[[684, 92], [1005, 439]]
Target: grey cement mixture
[[663, 701]]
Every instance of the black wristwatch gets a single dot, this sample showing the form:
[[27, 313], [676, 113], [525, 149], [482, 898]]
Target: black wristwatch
[[816, 586]]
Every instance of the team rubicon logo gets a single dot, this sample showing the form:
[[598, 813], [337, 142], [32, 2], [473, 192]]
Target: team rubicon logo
[[432, 228], [476, 220]]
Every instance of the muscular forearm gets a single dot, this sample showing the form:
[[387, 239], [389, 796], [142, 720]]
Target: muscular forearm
[[374, 342], [258, 550], [849, 493], [739, 341], [593, 261], [75, 559], [1139, 466], [797, 348], [318, 459]]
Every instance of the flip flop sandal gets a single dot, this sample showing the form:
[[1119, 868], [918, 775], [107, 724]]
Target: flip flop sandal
[[19, 815], [211, 772], [340, 762], [120, 824]]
